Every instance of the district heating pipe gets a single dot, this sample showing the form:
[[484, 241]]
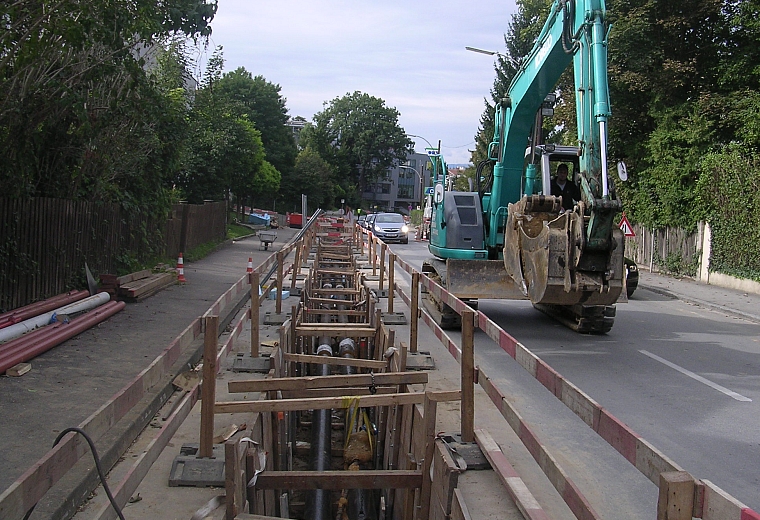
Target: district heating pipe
[[30, 346], [29, 311], [14, 331], [321, 445]]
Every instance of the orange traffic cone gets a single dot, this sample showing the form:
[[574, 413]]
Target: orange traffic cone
[[181, 269], [249, 270]]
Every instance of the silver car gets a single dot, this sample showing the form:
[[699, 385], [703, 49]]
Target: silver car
[[390, 227]]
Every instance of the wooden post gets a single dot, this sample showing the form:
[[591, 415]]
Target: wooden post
[[296, 270], [208, 389], [373, 254], [278, 307], [676, 499], [382, 266], [467, 376], [255, 314], [429, 425], [413, 322], [391, 281]]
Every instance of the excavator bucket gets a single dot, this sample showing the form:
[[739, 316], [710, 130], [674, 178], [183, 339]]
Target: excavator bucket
[[543, 250]]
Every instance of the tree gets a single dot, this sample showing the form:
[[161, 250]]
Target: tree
[[315, 180], [226, 153], [260, 101], [360, 138], [79, 115]]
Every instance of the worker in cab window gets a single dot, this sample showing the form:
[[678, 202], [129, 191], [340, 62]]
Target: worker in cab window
[[562, 187]]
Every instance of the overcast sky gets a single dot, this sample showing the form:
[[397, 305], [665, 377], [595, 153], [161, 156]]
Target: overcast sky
[[410, 53]]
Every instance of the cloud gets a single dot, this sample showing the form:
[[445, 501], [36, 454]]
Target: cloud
[[409, 53]]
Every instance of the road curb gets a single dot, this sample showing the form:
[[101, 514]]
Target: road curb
[[702, 303]]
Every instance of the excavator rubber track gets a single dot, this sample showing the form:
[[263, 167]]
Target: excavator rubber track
[[586, 319]]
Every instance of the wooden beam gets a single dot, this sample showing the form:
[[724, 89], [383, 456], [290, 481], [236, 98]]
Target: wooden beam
[[338, 392], [336, 480], [324, 360], [255, 315], [676, 498], [309, 382], [468, 375], [415, 313], [323, 403], [208, 389], [333, 329]]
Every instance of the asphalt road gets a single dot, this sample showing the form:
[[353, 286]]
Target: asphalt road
[[684, 377]]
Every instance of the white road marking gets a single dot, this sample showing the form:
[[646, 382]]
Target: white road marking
[[699, 378]]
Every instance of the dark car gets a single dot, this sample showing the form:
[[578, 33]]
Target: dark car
[[631, 276], [390, 227], [368, 221]]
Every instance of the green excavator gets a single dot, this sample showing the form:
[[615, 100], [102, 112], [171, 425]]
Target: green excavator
[[510, 238]]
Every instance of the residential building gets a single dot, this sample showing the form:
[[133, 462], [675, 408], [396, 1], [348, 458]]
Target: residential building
[[400, 190]]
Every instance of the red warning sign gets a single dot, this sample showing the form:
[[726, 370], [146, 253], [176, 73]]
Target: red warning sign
[[626, 227]]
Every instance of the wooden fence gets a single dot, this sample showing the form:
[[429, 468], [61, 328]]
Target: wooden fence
[[662, 250], [44, 243]]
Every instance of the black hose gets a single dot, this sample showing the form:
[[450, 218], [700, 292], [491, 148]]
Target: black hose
[[97, 465], [482, 189], [568, 45]]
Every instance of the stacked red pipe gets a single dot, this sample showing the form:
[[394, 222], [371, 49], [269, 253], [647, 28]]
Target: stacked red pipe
[[35, 309], [34, 343]]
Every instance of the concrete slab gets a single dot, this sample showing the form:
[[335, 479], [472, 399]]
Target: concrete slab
[[190, 470], [419, 361], [394, 318], [243, 362]]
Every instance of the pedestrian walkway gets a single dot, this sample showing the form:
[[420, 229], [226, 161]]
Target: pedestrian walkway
[[720, 299]]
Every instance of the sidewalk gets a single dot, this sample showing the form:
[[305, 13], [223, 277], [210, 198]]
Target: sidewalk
[[719, 299]]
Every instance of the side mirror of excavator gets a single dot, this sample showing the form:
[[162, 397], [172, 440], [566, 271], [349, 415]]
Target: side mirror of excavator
[[622, 171]]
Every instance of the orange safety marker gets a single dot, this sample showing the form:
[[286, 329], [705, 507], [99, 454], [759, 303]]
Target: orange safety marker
[[249, 270], [181, 269]]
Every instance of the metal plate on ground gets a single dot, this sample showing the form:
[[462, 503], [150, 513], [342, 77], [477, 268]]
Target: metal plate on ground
[[372, 277], [275, 319], [394, 318], [419, 361], [468, 451], [243, 362], [189, 470], [380, 293]]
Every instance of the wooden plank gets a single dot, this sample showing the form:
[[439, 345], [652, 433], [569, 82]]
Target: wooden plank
[[336, 480], [323, 360], [459, 509], [428, 431], [131, 277], [509, 478], [234, 480], [676, 497], [334, 329], [322, 403], [445, 477], [18, 370], [310, 382], [338, 392]]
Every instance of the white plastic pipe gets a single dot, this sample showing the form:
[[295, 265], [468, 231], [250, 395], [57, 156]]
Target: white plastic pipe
[[14, 331]]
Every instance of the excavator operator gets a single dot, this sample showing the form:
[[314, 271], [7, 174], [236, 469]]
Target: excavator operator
[[567, 189]]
